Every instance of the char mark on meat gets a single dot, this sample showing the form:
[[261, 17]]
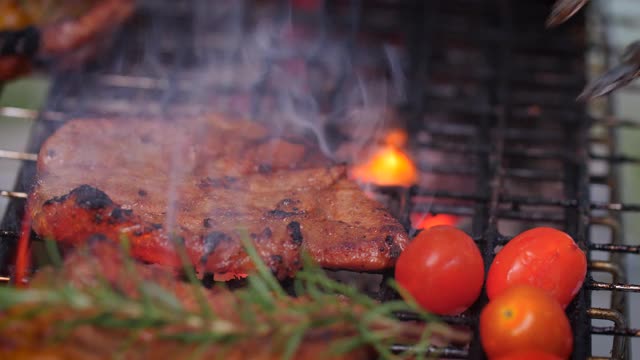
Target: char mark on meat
[[295, 233], [280, 214], [86, 197], [120, 215]]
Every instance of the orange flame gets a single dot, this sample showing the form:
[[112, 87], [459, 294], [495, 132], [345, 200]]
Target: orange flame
[[425, 221], [389, 166]]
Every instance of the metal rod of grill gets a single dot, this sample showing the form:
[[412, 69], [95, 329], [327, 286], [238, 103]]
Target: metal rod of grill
[[13, 194], [16, 155], [18, 113]]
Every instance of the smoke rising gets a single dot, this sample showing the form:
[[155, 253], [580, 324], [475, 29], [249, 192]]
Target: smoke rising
[[297, 71]]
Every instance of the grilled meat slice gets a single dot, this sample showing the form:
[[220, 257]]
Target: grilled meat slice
[[201, 182]]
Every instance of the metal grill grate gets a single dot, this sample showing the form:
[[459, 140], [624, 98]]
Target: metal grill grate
[[492, 110]]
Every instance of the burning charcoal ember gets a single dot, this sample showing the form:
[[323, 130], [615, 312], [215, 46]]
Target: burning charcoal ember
[[204, 180], [425, 221], [563, 10], [387, 167], [617, 77]]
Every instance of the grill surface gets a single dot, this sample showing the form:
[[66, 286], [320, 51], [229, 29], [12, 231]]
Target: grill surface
[[495, 127]]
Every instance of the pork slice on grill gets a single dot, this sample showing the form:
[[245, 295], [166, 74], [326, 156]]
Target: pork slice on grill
[[204, 183]]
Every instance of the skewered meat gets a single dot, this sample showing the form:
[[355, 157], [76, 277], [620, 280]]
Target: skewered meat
[[199, 183], [63, 36], [69, 30]]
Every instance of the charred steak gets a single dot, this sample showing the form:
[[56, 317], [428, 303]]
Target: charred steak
[[203, 183]]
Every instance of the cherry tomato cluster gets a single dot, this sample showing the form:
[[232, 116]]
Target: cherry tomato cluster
[[531, 281]]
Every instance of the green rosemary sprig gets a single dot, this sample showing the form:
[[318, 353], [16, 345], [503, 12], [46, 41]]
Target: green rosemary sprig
[[264, 312]]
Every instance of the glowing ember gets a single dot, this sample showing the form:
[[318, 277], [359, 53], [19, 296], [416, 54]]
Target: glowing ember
[[389, 166], [425, 221]]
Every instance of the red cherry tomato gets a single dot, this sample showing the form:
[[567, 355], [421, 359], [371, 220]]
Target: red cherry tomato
[[442, 269], [525, 318], [542, 257], [530, 355]]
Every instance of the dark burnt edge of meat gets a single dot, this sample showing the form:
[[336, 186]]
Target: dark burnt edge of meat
[[86, 197], [93, 199], [394, 249]]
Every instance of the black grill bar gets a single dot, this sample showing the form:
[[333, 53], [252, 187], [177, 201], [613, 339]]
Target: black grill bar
[[597, 285], [491, 172], [629, 249], [610, 330]]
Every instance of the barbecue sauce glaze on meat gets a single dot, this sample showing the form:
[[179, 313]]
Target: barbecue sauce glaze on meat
[[203, 183]]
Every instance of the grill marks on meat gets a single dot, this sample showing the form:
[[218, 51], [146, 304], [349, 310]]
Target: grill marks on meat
[[117, 177]]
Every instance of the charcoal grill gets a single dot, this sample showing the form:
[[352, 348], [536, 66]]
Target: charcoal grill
[[488, 90]]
